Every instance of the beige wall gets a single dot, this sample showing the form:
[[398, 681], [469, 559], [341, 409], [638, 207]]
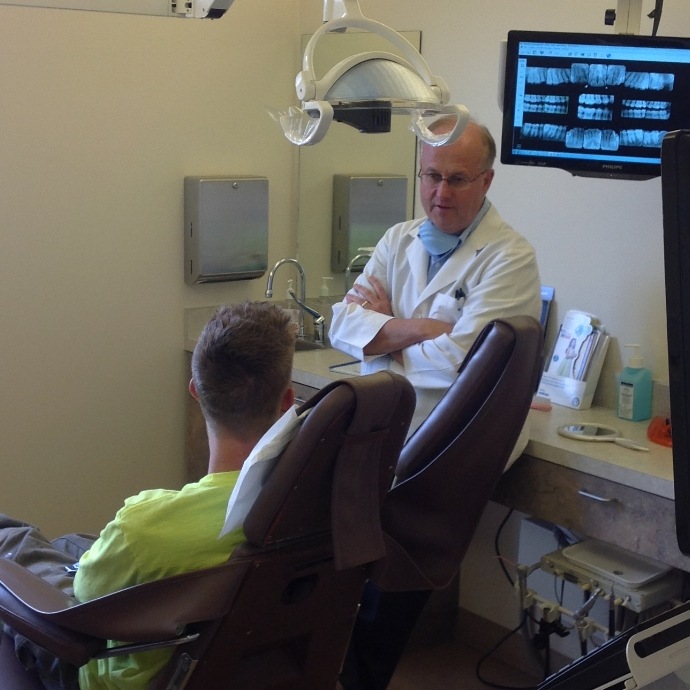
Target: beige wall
[[101, 117]]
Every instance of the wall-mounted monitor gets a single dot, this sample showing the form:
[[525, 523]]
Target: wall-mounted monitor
[[593, 104]]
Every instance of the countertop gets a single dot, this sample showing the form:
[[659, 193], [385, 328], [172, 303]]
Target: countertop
[[648, 471], [312, 367]]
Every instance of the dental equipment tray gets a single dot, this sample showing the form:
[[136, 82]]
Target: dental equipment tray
[[616, 564], [641, 582]]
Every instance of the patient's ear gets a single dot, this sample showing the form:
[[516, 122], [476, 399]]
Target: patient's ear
[[288, 399], [192, 390]]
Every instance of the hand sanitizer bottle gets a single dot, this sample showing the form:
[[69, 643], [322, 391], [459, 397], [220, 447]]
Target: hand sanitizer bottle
[[634, 387]]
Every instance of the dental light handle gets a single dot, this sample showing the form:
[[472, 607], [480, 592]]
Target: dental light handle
[[420, 129]]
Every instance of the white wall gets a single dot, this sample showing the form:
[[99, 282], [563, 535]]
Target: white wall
[[102, 116]]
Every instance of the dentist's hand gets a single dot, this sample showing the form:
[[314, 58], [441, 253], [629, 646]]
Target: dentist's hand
[[375, 299], [396, 334]]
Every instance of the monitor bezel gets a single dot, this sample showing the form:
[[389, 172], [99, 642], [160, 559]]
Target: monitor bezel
[[625, 169], [675, 192]]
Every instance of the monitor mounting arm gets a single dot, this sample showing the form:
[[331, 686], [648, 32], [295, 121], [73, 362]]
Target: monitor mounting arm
[[626, 17]]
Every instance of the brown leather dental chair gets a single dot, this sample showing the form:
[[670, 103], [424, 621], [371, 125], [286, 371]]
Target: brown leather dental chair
[[445, 477], [279, 613]]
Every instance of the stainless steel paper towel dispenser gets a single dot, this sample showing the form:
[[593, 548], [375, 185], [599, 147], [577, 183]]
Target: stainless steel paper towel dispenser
[[226, 228], [364, 207]]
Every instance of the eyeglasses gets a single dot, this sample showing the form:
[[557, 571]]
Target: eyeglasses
[[456, 182]]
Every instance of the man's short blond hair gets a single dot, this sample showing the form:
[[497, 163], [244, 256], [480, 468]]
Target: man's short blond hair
[[242, 366]]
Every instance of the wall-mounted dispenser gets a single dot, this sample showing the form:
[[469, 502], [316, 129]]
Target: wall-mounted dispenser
[[225, 228], [364, 207]]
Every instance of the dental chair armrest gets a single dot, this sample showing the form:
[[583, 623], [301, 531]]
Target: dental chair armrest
[[23, 599], [150, 612], [20, 584]]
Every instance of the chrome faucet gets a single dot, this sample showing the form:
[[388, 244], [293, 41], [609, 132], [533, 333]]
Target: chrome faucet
[[302, 286], [319, 320], [350, 266], [301, 301]]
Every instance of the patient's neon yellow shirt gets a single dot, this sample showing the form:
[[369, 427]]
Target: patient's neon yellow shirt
[[155, 534]]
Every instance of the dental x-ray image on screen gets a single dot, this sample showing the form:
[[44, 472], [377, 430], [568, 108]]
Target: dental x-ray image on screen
[[593, 104]]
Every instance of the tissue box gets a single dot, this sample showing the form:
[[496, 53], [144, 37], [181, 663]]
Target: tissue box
[[572, 371]]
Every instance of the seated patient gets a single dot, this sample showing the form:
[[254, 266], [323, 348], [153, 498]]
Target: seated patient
[[241, 374]]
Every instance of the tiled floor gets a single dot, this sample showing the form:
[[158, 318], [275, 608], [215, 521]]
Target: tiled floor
[[451, 666], [443, 654]]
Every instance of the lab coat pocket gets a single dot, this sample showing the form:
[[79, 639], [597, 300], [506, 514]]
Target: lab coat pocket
[[446, 308]]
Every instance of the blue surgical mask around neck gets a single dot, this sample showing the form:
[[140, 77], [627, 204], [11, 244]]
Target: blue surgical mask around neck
[[435, 241]]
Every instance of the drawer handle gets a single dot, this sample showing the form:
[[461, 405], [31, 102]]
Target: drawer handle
[[594, 497]]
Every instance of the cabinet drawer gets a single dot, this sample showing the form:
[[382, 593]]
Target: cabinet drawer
[[590, 506]]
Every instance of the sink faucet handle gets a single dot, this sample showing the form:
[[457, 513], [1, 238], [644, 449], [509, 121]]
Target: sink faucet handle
[[362, 253]]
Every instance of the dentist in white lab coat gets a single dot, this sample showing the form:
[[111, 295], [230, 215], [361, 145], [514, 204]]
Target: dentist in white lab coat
[[432, 284]]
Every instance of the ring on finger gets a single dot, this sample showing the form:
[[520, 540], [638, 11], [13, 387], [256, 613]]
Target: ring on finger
[[364, 304]]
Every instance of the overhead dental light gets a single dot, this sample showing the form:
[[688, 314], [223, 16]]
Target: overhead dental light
[[365, 90]]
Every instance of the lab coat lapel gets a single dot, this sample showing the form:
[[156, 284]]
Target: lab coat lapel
[[448, 275], [418, 261], [455, 269]]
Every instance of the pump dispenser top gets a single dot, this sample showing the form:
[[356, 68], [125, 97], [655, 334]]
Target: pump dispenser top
[[634, 386], [636, 360]]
